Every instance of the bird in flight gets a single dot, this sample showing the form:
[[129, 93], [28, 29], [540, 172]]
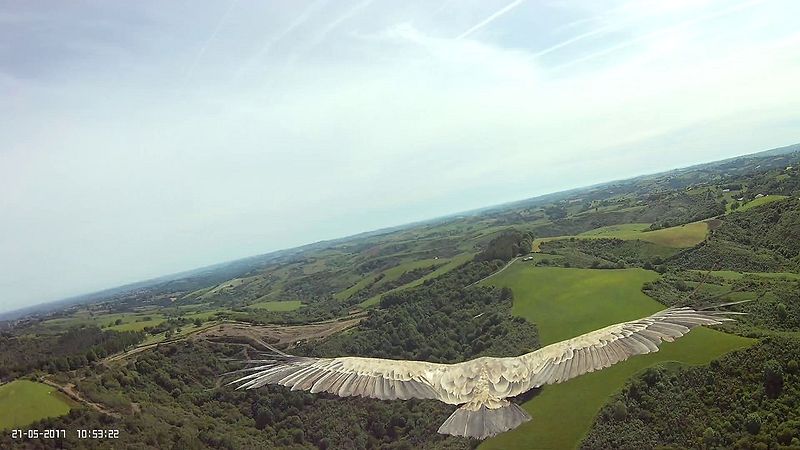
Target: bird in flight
[[481, 386]]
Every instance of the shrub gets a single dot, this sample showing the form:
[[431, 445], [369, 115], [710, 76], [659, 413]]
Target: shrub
[[620, 411], [753, 423]]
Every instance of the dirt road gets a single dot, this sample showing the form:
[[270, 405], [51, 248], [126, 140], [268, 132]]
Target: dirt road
[[70, 391], [280, 336]]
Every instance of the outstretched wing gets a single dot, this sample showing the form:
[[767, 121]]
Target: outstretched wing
[[348, 376], [602, 348]]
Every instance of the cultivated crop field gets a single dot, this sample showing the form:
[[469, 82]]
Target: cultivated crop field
[[568, 302]]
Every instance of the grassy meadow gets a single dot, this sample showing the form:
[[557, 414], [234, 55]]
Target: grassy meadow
[[568, 302], [23, 402], [732, 275], [681, 236], [277, 306], [133, 321], [761, 201], [389, 274]]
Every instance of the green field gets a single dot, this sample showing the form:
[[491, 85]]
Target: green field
[[568, 302], [138, 323], [347, 293], [761, 201], [622, 231], [454, 262], [197, 293], [681, 236], [277, 306], [130, 321], [389, 274], [394, 273], [731, 275], [23, 402]]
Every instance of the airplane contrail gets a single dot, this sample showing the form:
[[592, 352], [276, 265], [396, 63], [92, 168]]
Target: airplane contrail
[[210, 39], [491, 18], [331, 26], [296, 23], [602, 30], [316, 40], [574, 39], [659, 32]]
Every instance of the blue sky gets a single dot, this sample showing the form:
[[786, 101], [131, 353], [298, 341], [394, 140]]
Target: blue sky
[[144, 138]]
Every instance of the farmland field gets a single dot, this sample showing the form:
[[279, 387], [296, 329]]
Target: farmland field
[[129, 321], [732, 275], [682, 236], [454, 262], [138, 323], [390, 274], [568, 302], [278, 306], [23, 402], [761, 201]]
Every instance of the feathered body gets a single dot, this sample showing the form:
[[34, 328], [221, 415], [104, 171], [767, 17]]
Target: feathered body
[[482, 385]]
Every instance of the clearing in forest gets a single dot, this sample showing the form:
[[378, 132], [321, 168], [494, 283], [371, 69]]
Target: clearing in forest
[[23, 402]]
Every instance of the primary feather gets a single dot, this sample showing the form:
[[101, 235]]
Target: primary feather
[[481, 385]]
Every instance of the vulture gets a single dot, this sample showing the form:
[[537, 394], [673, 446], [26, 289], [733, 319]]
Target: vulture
[[482, 386]]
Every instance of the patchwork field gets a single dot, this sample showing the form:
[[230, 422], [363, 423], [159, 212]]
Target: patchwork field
[[390, 274], [568, 302], [452, 264], [682, 236], [23, 402]]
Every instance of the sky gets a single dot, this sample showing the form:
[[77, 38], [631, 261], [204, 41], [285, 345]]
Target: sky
[[144, 138]]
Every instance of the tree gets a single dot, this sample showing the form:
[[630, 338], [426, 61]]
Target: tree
[[781, 310], [710, 437], [118, 322], [620, 411], [773, 378], [263, 418], [753, 423]]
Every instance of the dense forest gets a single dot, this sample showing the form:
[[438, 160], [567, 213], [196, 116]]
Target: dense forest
[[747, 400], [506, 246], [76, 348]]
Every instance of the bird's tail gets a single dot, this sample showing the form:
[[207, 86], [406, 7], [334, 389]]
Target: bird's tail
[[481, 422]]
